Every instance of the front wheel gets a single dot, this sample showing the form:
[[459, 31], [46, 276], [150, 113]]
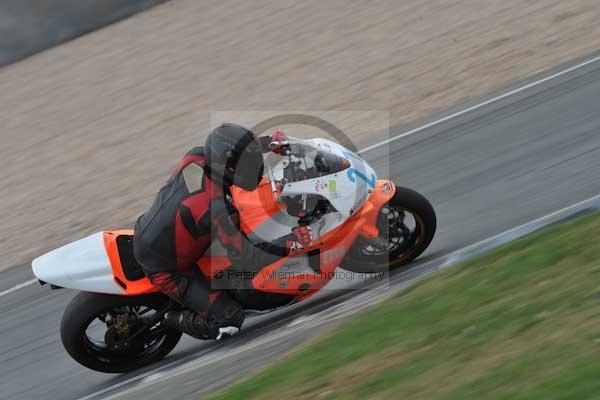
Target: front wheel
[[406, 223], [107, 333]]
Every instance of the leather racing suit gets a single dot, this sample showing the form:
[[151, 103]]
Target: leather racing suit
[[189, 212]]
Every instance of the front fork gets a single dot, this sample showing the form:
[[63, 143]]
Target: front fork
[[382, 193]]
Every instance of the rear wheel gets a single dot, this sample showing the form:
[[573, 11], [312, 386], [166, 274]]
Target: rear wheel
[[406, 224], [107, 333]]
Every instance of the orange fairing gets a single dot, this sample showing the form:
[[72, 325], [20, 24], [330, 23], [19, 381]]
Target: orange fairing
[[333, 247], [256, 206], [130, 288], [384, 191]]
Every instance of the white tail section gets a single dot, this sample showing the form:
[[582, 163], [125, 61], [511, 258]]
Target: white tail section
[[81, 265]]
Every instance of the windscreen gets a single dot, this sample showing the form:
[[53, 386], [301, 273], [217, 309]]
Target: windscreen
[[307, 162]]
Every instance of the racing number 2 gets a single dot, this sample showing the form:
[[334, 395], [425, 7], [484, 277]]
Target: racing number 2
[[353, 172]]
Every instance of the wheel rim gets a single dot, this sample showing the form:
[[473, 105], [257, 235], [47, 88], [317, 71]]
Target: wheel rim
[[118, 335], [401, 231]]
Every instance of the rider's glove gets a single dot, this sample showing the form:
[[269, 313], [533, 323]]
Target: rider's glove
[[303, 235], [278, 141]]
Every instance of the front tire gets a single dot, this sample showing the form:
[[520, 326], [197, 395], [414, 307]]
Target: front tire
[[127, 344], [403, 243]]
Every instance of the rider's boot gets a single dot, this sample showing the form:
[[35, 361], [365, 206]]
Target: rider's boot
[[224, 318]]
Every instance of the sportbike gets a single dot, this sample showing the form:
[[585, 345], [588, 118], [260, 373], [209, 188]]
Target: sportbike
[[359, 222]]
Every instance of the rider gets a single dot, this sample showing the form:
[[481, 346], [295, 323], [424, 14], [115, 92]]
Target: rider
[[193, 208]]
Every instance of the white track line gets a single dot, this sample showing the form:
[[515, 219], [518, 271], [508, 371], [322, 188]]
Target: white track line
[[19, 286], [480, 105], [421, 128]]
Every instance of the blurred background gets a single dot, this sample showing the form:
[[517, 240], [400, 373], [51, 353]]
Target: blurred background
[[29, 26], [100, 99]]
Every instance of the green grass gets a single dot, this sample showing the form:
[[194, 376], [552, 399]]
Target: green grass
[[521, 322]]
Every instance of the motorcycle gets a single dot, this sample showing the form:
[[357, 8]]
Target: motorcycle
[[361, 223]]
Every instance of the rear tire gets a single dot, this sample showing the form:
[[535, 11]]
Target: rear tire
[[404, 201], [85, 308]]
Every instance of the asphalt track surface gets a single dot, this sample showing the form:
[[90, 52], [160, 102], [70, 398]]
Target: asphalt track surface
[[486, 171]]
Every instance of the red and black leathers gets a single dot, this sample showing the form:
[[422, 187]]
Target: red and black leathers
[[190, 211]]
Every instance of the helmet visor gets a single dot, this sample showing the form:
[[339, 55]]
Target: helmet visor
[[249, 168]]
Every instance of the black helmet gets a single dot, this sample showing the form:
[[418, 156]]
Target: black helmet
[[234, 157]]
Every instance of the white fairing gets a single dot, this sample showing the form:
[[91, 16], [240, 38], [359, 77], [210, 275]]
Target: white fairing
[[346, 190], [81, 265]]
